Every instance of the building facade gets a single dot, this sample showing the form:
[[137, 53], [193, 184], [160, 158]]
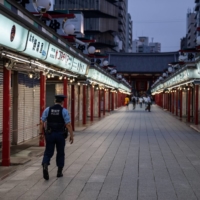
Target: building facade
[[142, 45], [129, 33], [103, 21]]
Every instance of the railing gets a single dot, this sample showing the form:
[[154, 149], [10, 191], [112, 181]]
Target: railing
[[103, 6]]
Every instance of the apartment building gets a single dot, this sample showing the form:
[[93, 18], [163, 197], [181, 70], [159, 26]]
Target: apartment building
[[104, 20]]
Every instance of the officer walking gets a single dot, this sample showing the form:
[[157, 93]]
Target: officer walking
[[58, 125]]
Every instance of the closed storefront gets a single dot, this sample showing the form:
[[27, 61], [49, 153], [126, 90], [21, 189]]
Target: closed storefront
[[1, 106], [1, 110], [28, 107]]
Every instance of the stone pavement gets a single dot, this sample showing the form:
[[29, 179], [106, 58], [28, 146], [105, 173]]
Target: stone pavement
[[127, 155]]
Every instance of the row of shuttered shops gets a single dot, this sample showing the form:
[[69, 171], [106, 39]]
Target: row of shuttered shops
[[28, 47], [180, 92], [25, 104]]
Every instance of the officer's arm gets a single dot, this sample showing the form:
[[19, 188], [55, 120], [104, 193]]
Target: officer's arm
[[68, 125], [71, 137], [43, 119]]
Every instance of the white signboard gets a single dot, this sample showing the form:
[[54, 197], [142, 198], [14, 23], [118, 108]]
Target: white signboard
[[12, 35], [36, 46]]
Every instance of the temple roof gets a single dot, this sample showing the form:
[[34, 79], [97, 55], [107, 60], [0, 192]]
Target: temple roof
[[142, 62]]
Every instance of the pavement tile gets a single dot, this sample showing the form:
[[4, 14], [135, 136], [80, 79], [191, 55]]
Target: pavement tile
[[129, 155]]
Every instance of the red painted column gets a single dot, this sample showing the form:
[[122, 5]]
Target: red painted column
[[168, 101], [42, 100], [172, 102], [118, 97], [181, 96], [115, 100], [65, 92], [196, 117], [99, 103], [72, 106], [6, 117], [112, 103], [108, 100], [104, 102], [188, 105], [91, 103], [177, 92], [84, 104]]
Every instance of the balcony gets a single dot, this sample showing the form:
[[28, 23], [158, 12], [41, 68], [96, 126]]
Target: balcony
[[100, 24], [92, 9]]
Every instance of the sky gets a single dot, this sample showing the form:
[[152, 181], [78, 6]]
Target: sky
[[162, 20]]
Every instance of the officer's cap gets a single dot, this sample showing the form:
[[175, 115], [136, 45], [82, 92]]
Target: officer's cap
[[60, 97]]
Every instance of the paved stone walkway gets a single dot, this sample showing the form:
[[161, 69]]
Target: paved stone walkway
[[129, 155]]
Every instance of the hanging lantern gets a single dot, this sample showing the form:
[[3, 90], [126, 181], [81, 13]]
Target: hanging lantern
[[105, 63], [170, 69], [69, 29], [91, 49], [164, 75], [42, 6]]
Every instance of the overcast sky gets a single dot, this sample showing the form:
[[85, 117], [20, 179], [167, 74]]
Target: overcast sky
[[162, 20]]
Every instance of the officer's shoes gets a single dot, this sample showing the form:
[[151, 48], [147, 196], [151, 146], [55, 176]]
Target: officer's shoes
[[45, 172], [59, 173]]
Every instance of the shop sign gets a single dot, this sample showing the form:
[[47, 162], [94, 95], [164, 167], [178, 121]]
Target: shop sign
[[59, 58], [12, 35], [78, 66], [36, 46]]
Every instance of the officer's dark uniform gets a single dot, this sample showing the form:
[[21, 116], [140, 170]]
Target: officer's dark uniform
[[55, 136]]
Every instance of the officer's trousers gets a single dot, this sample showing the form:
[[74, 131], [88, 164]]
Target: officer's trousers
[[55, 139]]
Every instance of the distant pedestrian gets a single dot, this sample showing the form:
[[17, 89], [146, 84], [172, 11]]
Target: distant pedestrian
[[140, 101], [148, 104], [133, 99], [127, 100], [58, 125]]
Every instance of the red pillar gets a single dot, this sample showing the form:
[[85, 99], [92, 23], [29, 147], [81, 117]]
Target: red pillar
[[112, 103], [172, 102], [84, 104], [99, 103], [6, 117], [188, 105], [65, 92], [72, 107], [180, 93], [196, 117], [91, 103], [42, 100], [104, 102], [167, 101], [117, 99], [108, 100], [177, 92]]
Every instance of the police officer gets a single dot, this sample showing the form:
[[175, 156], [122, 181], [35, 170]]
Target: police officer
[[58, 125]]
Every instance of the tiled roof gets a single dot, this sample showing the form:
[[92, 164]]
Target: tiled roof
[[142, 62]]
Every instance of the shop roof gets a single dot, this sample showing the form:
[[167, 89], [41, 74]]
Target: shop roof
[[142, 62]]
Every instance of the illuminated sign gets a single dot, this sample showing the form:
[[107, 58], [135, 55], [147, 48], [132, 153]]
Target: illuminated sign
[[58, 57], [36, 46], [12, 35]]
